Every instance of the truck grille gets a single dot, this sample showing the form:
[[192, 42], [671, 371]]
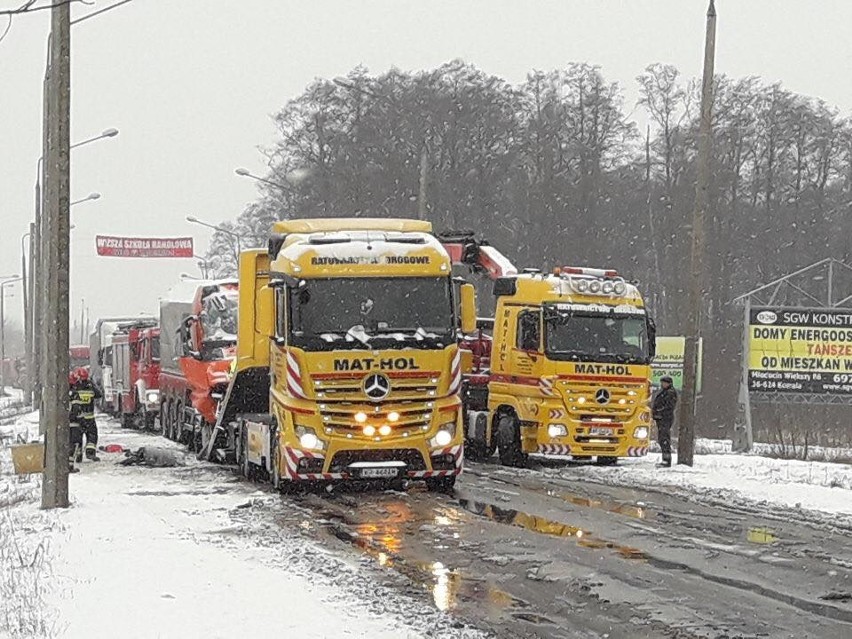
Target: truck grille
[[613, 411], [404, 385], [339, 417]]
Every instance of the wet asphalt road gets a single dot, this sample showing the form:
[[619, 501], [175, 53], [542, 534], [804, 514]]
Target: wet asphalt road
[[521, 555]]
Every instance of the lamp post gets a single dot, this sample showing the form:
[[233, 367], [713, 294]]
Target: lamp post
[[246, 173], [203, 266], [27, 286], [3, 284], [221, 229], [38, 286], [54, 255]]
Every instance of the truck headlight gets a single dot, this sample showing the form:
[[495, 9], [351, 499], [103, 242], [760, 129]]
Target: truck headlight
[[607, 288], [641, 432], [556, 430], [152, 396], [446, 433], [620, 288], [308, 437], [595, 286]]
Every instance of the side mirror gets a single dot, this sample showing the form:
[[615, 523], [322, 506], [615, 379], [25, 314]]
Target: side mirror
[[467, 308], [652, 337]]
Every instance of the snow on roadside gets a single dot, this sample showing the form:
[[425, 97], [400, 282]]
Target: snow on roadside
[[195, 552], [823, 487]]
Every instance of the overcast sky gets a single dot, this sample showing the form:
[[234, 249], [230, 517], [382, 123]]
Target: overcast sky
[[191, 84]]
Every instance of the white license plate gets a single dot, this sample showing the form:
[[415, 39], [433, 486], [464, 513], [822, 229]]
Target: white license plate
[[379, 473], [606, 431]]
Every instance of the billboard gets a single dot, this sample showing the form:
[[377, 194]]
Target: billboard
[[800, 350], [109, 246], [669, 361]]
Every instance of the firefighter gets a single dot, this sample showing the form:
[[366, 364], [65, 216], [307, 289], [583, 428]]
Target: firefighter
[[87, 393], [663, 408], [75, 427]]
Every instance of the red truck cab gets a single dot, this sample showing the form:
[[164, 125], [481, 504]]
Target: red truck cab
[[136, 369]]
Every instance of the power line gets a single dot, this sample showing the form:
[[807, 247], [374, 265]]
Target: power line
[[28, 7]]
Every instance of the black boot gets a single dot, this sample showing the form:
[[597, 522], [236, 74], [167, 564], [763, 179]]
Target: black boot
[[72, 468], [92, 454], [666, 463]]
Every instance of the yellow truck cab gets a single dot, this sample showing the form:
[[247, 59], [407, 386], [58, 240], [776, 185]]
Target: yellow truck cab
[[569, 369], [353, 326]]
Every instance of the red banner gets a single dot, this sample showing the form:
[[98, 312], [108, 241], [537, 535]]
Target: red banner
[[144, 246]]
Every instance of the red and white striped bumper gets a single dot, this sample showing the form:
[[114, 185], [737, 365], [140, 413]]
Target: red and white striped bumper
[[637, 451]]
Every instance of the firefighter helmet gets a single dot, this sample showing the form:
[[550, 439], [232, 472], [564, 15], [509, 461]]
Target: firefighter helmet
[[82, 374]]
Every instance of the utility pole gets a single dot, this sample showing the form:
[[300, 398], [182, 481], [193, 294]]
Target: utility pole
[[55, 484], [686, 432], [27, 287], [424, 176]]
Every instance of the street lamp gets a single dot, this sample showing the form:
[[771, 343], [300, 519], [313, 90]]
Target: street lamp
[[221, 229], [187, 277], [4, 282], [246, 173], [89, 197]]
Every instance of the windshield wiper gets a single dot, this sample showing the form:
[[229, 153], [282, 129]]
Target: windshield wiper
[[358, 333]]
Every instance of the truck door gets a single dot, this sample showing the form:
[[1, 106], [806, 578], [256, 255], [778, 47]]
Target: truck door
[[527, 351]]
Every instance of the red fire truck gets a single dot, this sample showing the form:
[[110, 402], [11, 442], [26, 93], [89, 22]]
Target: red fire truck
[[136, 373], [198, 321], [78, 356]]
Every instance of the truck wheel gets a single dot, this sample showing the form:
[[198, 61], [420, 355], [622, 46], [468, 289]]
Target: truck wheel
[[245, 465], [476, 448], [441, 484], [149, 421], [177, 425], [508, 437], [274, 474]]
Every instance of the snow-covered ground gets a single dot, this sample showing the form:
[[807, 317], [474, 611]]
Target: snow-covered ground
[[181, 552], [821, 487]]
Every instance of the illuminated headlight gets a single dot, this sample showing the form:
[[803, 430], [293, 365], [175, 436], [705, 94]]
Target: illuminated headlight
[[608, 288], [581, 400], [620, 288], [308, 437], [581, 285], [384, 430], [556, 430], [360, 417], [445, 435], [595, 286], [641, 433], [152, 396], [393, 416], [369, 431]]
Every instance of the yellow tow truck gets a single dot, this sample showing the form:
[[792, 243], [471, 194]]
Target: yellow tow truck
[[347, 362], [568, 369]]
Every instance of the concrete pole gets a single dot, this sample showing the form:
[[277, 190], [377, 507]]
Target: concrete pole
[[30, 335], [424, 177], [686, 432], [55, 484], [3, 339], [25, 289]]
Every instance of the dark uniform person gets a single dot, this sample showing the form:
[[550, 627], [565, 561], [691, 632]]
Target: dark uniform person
[[75, 426], [663, 409], [85, 393]]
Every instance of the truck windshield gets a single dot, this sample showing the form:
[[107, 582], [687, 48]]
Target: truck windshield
[[595, 336], [155, 349], [357, 313], [219, 317]]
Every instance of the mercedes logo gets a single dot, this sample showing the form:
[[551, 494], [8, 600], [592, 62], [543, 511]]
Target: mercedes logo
[[602, 396], [376, 386]]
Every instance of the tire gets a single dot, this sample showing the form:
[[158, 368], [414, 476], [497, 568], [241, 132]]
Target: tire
[[274, 474], [441, 484], [606, 461], [149, 421], [479, 449], [246, 468], [177, 425], [508, 438]]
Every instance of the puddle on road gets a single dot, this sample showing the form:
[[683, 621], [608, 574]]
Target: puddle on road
[[629, 510], [548, 527], [761, 535], [383, 540]]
